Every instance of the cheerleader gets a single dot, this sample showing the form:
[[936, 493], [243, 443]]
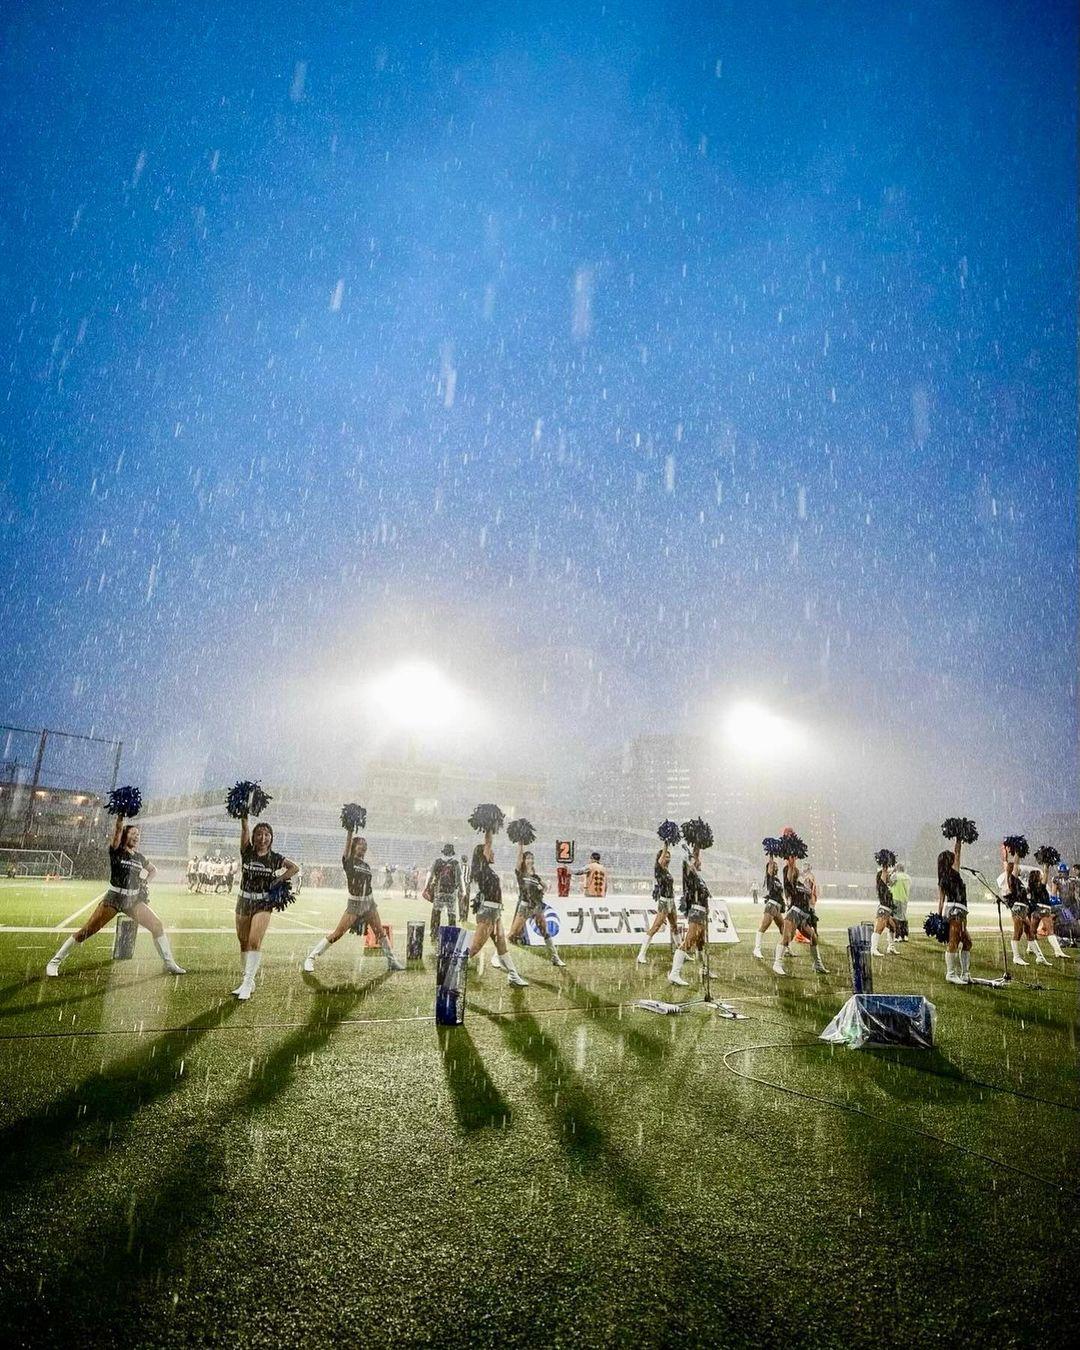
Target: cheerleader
[[531, 904], [885, 918], [263, 878], [488, 908], [664, 899], [1039, 908], [1013, 849], [774, 905], [798, 918], [129, 875], [361, 911], [952, 904], [695, 903]]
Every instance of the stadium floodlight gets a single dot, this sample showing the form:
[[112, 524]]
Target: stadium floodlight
[[755, 733], [415, 696]]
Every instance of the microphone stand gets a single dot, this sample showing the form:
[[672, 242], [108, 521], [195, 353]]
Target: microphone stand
[[1006, 978]]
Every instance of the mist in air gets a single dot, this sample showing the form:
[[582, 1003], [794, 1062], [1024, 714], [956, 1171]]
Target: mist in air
[[563, 374]]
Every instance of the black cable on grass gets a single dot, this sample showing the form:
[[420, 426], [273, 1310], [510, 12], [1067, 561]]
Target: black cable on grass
[[883, 1120]]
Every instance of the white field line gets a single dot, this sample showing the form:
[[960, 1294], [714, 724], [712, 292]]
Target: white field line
[[64, 923], [311, 928], [20, 928]]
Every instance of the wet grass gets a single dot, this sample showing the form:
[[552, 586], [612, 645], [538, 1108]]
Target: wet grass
[[323, 1165]]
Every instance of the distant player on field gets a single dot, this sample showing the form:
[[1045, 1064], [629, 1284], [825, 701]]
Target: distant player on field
[[445, 890]]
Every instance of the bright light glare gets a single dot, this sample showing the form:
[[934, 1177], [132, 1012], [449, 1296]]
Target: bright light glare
[[753, 732], [414, 696]]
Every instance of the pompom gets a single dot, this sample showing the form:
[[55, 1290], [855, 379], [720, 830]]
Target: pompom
[[1015, 844], [937, 926], [959, 827], [669, 832], [353, 816], [773, 847], [246, 799], [885, 857], [697, 833], [791, 846], [1047, 856], [487, 816], [520, 832], [280, 896], [124, 801]]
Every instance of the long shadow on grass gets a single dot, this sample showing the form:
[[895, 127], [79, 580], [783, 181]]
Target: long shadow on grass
[[102, 1106], [579, 1126], [38, 978], [478, 1103], [647, 1047], [194, 1198], [704, 1264], [68, 1000]]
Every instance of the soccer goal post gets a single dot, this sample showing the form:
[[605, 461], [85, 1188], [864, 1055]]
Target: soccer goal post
[[34, 862]]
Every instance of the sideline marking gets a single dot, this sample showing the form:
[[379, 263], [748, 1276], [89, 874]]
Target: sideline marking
[[63, 922]]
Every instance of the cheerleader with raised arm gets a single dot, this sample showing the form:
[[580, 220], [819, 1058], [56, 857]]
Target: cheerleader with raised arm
[[952, 899], [361, 911], [488, 904], [885, 918], [774, 896], [130, 873], [695, 898], [530, 890], [1014, 849], [265, 878], [663, 891], [799, 916], [1040, 909]]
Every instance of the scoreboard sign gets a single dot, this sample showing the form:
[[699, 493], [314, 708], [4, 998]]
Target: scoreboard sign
[[564, 850]]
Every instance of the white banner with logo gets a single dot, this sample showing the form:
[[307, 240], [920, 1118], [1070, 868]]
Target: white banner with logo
[[616, 920]]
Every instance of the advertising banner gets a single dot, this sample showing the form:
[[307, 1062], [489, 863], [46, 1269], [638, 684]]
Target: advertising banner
[[617, 920]]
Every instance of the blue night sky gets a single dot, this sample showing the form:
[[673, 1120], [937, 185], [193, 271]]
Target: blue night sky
[[618, 358]]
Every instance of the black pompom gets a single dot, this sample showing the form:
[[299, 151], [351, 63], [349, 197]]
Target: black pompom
[[959, 827], [124, 801], [487, 816], [937, 926], [885, 857], [1047, 856], [669, 832], [773, 847], [353, 816], [246, 798], [1017, 844], [280, 896], [791, 846], [520, 832], [697, 833]]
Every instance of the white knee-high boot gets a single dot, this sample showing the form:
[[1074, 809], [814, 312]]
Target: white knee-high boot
[[167, 958]]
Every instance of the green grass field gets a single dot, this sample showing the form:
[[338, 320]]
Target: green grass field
[[322, 1165]]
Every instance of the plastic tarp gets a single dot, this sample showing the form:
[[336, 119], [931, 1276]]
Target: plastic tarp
[[883, 1019]]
